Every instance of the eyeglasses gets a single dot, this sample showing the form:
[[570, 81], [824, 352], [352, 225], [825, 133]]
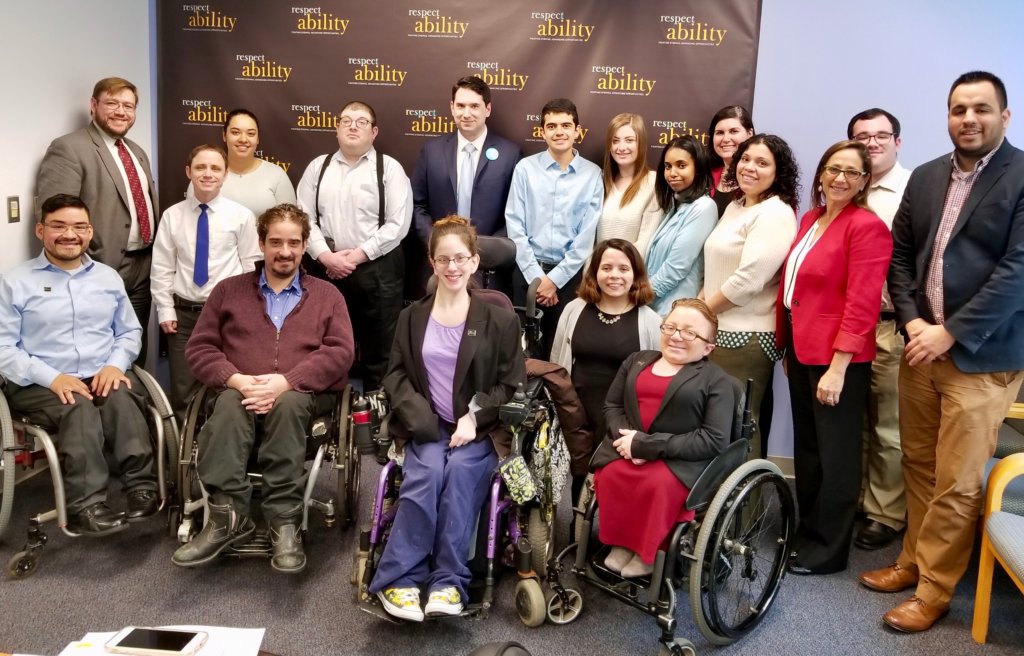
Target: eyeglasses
[[443, 261], [77, 228], [879, 137], [112, 105], [688, 334], [850, 174], [347, 121]]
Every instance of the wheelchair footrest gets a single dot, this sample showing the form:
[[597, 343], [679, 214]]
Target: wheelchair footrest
[[258, 547]]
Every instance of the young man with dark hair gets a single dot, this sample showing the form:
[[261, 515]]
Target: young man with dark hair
[[68, 336], [552, 214], [466, 172]]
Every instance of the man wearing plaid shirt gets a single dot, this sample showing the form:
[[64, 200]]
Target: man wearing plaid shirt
[[957, 283]]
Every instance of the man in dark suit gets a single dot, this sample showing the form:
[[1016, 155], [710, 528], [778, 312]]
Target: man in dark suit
[[113, 177], [957, 283], [439, 187]]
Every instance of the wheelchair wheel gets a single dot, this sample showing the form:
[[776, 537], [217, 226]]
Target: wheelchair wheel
[[679, 647], [542, 541], [7, 444], [565, 609], [530, 603], [189, 489], [22, 565], [741, 552], [347, 465]]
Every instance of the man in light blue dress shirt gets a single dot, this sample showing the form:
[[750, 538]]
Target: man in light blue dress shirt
[[551, 215], [68, 336]]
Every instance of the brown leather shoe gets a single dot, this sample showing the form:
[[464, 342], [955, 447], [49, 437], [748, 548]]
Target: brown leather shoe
[[914, 615], [889, 579]]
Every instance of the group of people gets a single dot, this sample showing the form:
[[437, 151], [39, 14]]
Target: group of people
[[658, 288]]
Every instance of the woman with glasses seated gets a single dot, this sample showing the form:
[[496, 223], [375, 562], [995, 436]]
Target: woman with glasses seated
[[828, 307], [456, 358], [669, 413], [608, 321]]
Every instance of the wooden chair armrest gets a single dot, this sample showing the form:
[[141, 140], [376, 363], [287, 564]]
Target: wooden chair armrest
[[1005, 471]]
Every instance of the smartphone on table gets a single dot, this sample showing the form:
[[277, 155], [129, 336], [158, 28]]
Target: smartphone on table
[[147, 641]]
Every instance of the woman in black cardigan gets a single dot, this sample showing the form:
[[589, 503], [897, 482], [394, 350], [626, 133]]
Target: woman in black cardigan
[[454, 361]]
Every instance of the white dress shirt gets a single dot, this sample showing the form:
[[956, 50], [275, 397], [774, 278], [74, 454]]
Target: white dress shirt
[[349, 204], [234, 249], [884, 199], [134, 234]]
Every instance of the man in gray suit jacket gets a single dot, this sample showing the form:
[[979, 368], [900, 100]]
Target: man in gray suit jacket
[[957, 283], [113, 176]]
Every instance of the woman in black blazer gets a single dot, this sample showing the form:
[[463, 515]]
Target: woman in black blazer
[[455, 360], [669, 414]]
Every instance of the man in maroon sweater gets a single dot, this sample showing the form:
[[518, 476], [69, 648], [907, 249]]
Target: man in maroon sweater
[[274, 343]]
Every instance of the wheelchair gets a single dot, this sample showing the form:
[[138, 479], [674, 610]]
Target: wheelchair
[[28, 449], [335, 439], [731, 556], [514, 528]]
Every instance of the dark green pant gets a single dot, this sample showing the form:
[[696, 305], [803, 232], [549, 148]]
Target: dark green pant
[[84, 430], [227, 440]]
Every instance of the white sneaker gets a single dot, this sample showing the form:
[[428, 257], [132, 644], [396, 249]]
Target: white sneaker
[[446, 601], [403, 603]]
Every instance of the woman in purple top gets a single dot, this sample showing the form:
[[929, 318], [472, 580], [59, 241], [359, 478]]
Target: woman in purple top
[[455, 360]]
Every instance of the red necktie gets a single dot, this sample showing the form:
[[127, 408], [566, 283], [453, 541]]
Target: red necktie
[[137, 196]]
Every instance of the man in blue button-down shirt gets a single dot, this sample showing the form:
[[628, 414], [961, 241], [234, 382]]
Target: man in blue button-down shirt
[[552, 213], [68, 336]]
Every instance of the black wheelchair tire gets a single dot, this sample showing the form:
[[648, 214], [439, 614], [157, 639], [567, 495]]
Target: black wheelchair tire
[[706, 578], [346, 465]]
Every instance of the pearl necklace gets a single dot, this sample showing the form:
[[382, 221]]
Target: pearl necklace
[[604, 318]]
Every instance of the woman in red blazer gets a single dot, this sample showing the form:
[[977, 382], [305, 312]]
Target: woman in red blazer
[[829, 302]]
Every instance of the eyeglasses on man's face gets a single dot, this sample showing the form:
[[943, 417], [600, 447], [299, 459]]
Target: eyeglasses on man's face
[[113, 105], [61, 228], [348, 121], [689, 334], [879, 137], [459, 260], [851, 174]]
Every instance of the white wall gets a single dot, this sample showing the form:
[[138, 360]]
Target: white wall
[[53, 52], [820, 63]]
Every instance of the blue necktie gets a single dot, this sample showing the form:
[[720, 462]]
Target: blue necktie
[[466, 175], [201, 273]]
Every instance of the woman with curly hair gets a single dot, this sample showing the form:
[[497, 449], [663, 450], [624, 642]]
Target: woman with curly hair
[[742, 258]]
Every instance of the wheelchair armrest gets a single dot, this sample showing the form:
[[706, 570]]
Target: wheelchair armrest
[[715, 473]]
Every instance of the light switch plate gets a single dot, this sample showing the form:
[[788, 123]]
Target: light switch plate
[[13, 209]]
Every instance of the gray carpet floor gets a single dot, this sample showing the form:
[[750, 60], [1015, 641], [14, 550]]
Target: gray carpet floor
[[102, 585]]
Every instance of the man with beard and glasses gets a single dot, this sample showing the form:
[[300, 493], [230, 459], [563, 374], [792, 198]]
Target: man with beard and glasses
[[275, 345], [68, 336], [112, 176]]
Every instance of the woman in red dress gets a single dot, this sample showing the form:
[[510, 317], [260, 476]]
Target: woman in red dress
[[669, 413]]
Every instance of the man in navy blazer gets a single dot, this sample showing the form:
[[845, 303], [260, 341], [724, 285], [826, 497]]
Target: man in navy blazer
[[435, 182], [957, 283]]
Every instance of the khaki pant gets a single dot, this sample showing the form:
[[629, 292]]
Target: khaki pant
[[882, 486], [948, 422]]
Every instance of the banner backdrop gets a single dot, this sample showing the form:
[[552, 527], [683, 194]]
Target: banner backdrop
[[294, 64]]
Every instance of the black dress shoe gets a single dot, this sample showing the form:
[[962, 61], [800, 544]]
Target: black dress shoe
[[224, 528], [875, 535], [799, 570], [96, 520], [141, 504], [286, 540]]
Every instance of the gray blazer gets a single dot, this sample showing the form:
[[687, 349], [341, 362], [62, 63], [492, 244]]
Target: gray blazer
[[81, 164]]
